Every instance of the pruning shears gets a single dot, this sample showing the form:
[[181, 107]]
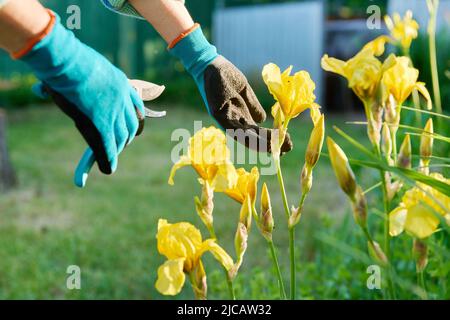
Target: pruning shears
[[147, 91]]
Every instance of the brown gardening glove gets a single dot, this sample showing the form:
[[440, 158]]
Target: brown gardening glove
[[234, 105]]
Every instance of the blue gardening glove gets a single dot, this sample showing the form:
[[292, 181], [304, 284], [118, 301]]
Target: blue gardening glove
[[226, 92], [89, 89]]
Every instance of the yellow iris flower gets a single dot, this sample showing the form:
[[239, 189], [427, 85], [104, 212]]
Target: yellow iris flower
[[209, 155], [363, 72], [182, 245], [293, 93], [401, 79], [405, 30], [247, 185], [417, 212], [378, 45]]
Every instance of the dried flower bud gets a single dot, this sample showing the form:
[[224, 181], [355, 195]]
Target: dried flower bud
[[241, 239], [377, 253], [373, 133], [306, 179], [266, 218], [315, 143], [342, 169], [392, 188], [420, 252], [374, 123], [205, 206], [240, 244], [404, 156], [391, 114], [386, 145], [200, 286], [360, 208], [294, 218]]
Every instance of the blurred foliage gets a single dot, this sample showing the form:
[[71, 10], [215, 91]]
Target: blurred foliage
[[349, 9], [326, 274], [16, 92], [421, 58]]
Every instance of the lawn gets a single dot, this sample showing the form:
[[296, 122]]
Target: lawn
[[108, 229]]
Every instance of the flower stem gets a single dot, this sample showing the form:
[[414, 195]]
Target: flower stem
[[282, 189], [192, 280], [230, 285], [291, 230], [274, 259], [387, 240], [387, 246], [197, 294], [434, 4], [277, 268], [421, 284], [292, 259], [394, 146]]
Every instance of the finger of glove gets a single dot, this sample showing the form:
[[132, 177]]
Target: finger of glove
[[110, 147], [236, 120], [131, 122], [139, 110], [253, 105], [288, 145], [234, 111], [121, 133], [39, 90], [245, 130], [83, 168]]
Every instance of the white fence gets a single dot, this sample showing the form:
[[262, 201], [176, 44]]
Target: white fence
[[286, 34]]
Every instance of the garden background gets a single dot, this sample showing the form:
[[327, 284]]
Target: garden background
[[108, 228]]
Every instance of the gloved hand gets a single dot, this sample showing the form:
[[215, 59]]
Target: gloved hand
[[225, 91], [96, 95]]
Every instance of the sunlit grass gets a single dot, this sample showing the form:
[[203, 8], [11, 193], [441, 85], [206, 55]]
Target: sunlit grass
[[108, 229]]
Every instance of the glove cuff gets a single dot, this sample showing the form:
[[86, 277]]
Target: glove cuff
[[183, 35], [52, 55], [32, 42], [194, 51]]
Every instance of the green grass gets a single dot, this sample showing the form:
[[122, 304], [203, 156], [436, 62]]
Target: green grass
[[108, 228]]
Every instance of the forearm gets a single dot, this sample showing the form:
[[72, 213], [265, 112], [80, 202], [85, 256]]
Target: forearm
[[170, 18], [20, 22]]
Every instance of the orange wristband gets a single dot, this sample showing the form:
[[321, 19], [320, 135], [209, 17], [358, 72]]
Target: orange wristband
[[183, 35], [32, 42]]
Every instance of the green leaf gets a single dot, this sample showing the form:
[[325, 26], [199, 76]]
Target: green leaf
[[427, 112], [435, 136], [407, 174]]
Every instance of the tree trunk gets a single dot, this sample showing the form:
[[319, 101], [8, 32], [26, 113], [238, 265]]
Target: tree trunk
[[7, 176]]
